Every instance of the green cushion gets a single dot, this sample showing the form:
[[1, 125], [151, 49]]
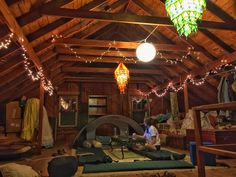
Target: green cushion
[[98, 156], [156, 155], [139, 165]]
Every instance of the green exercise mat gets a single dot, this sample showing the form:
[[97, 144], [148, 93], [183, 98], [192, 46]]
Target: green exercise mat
[[139, 165]]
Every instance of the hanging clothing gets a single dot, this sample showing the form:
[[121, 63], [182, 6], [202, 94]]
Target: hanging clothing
[[31, 117], [47, 137], [31, 122]]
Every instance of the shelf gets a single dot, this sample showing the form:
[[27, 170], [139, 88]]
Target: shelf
[[97, 105]]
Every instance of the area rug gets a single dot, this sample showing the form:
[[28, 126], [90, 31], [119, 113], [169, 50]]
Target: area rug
[[129, 156]]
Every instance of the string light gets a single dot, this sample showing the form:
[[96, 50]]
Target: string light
[[113, 45], [5, 44], [38, 75], [189, 80]]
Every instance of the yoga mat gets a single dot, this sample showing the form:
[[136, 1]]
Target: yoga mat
[[139, 165]]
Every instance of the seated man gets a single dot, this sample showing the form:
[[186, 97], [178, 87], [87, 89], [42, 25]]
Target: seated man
[[151, 136], [152, 139]]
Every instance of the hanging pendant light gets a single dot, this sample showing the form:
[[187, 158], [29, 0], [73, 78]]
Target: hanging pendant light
[[185, 14], [122, 77]]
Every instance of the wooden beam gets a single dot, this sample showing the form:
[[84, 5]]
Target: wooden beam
[[130, 18], [35, 13], [10, 2], [40, 127], [217, 151], [217, 40], [219, 12], [10, 65], [96, 52], [69, 58], [107, 70], [117, 44], [81, 27], [16, 29], [200, 71], [103, 79], [61, 21], [186, 98], [221, 106], [3, 30]]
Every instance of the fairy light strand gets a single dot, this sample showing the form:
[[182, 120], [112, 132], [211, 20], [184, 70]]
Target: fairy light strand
[[5, 44], [189, 80], [112, 45], [37, 75]]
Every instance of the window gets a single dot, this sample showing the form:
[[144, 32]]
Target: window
[[68, 111]]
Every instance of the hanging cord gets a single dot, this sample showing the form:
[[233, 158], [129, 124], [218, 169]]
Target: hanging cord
[[151, 33]]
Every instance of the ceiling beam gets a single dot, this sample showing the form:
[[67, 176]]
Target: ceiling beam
[[97, 52], [217, 40], [81, 27], [130, 18], [63, 21], [117, 44], [10, 2], [74, 69], [219, 12], [209, 66], [97, 79], [69, 58], [35, 13]]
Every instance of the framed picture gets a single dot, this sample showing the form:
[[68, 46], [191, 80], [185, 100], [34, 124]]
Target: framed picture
[[68, 111]]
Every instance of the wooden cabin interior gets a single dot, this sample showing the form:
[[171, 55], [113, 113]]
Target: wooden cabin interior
[[77, 85]]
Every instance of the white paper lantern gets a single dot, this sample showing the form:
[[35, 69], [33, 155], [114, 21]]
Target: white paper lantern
[[145, 52]]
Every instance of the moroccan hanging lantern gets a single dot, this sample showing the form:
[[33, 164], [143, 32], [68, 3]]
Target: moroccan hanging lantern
[[122, 77], [185, 14]]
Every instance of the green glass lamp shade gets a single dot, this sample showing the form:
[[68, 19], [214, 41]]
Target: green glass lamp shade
[[185, 14]]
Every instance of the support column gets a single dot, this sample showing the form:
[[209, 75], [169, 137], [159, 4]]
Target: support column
[[186, 100], [41, 103]]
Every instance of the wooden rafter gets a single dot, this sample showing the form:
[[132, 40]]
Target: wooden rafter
[[107, 70], [219, 12], [217, 40], [35, 13], [200, 71], [16, 29], [103, 79], [62, 21], [43, 47], [130, 18], [98, 52], [117, 44], [68, 58]]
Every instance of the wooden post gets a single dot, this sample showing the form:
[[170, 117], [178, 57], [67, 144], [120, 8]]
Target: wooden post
[[186, 101], [41, 103], [198, 139]]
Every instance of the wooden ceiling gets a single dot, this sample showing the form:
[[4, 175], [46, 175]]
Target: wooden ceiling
[[89, 26]]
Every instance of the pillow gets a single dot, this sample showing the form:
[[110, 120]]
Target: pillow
[[17, 170], [96, 144], [87, 144]]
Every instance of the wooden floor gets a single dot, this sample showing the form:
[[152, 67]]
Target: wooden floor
[[40, 163], [220, 172]]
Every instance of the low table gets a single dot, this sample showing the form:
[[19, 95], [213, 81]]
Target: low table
[[125, 141]]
